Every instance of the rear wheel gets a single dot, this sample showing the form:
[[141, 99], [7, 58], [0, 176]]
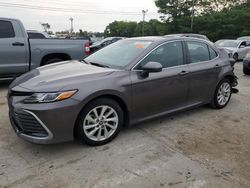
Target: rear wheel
[[246, 71], [99, 122], [222, 94]]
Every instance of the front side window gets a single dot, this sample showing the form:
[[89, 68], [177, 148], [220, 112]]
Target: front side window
[[168, 55], [6, 30], [198, 52]]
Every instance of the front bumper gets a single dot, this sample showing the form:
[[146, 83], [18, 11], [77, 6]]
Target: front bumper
[[45, 123]]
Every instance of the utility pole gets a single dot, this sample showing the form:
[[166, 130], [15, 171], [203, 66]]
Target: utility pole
[[192, 16], [143, 20], [71, 28]]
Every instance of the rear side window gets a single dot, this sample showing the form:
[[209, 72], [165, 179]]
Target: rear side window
[[36, 36], [6, 30], [198, 52], [213, 54]]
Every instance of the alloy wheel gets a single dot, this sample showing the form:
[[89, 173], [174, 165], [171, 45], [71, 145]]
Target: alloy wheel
[[224, 93], [100, 123]]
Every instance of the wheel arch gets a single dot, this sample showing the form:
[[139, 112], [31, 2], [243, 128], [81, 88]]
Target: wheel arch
[[114, 97], [47, 57]]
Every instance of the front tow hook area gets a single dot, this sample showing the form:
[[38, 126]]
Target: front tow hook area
[[235, 90]]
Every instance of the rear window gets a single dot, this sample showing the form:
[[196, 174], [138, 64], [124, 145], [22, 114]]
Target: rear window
[[6, 30], [119, 54], [36, 36]]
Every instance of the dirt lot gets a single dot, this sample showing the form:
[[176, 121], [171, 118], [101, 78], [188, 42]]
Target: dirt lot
[[199, 148]]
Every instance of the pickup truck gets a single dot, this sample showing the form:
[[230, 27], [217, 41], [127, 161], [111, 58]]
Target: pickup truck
[[19, 54]]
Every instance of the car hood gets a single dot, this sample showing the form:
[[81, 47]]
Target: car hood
[[55, 77], [230, 49]]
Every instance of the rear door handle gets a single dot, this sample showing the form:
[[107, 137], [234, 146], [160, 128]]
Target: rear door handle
[[182, 73], [17, 44]]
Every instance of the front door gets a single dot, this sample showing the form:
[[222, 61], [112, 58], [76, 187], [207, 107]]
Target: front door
[[13, 51], [163, 91]]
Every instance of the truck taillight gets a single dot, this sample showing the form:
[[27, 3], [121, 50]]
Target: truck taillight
[[87, 48]]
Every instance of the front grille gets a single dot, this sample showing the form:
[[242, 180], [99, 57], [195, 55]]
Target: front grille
[[28, 124]]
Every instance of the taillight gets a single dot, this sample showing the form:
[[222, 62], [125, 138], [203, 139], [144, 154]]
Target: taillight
[[87, 48]]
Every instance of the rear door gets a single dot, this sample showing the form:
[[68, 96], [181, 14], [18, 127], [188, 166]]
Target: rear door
[[13, 50], [205, 66]]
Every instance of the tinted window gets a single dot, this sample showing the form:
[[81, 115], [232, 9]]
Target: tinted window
[[213, 54], [36, 36], [6, 30], [247, 43], [169, 55], [198, 52]]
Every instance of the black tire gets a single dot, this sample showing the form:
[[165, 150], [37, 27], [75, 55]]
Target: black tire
[[236, 57], [51, 61], [214, 103], [79, 130], [246, 71]]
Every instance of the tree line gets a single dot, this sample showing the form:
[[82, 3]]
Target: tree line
[[215, 18]]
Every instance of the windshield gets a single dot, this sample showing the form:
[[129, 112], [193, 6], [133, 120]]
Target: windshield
[[119, 54], [228, 43]]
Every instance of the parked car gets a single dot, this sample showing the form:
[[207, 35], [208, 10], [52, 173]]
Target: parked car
[[199, 36], [246, 64], [244, 38], [19, 53], [237, 48], [32, 34], [124, 83], [105, 42]]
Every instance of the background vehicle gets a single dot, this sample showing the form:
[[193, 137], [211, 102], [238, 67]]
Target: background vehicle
[[127, 82], [246, 64], [199, 36], [244, 38], [237, 48], [105, 42], [32, 34], [19, 54]]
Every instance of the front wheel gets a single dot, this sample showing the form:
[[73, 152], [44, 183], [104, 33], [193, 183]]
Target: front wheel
[[222, 94], [100, 122]]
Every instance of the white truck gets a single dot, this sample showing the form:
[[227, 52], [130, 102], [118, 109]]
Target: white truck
[[19, 54]]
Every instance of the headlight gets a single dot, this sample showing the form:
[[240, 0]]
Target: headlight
[[49, 97]]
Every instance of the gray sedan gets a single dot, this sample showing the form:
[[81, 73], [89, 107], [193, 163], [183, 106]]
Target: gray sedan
[[130, 81]]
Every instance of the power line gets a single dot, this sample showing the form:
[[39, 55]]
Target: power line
[[35, 7], [74, 4]]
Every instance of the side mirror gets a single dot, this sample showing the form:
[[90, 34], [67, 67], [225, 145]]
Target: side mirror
[[242, 46], [151, 67]]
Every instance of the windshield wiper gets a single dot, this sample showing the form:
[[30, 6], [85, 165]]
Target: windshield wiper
[[99, 65]]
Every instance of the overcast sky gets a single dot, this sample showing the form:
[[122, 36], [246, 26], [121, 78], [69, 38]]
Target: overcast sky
[[90, 15]]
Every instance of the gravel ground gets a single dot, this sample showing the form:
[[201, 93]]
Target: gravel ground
[[197, 148]]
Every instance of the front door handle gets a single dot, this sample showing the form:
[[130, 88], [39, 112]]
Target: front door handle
[[182, 73], [17, 44]]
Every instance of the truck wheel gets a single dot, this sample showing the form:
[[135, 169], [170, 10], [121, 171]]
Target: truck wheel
[[246, 71], [50, 61]]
